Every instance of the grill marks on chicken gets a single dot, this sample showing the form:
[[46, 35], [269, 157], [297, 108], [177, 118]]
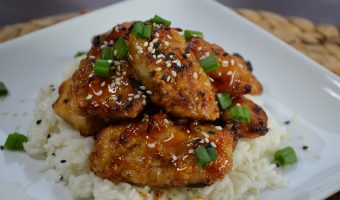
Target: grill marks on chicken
[[234, 74], [175, 78], [159, 153]]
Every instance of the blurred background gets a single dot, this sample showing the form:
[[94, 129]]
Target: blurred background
[[318, 11]]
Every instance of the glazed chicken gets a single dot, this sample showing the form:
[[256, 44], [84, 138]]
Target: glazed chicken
[[234, 73], [159, 153], [66, 107], [175, 78], [258, 119], [155, 112]]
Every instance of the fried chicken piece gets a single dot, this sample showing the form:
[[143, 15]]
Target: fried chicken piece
[[115, 97], [173, 77], [157, 153], [67, 108], [234, 74], [258, 119]]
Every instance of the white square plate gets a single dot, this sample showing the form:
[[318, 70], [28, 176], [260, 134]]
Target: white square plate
[[294, 86]]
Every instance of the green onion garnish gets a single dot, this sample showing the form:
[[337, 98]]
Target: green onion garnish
[[188, 34], [224, 100], [3, 89], [212, 151], [159, 20], [285, 156], [210, 63], [15, 141], [147, 30], [106, 53], [79, 53], [240, 114], [101, 68], [141, 31], [202, 156], [121, 48]]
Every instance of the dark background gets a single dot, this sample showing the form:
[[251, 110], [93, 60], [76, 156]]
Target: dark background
[[319, 11]]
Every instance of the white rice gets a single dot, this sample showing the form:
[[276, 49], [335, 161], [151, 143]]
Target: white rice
[[253, 169]]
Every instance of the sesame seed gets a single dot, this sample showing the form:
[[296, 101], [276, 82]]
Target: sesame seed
[[105, 42], [89, 96], [238, 104], [202, 57], [102, 84], [207, 54], [115, 52], [139, 92], [229, 73], [199, 48], [225, 63], [166, 121], [136, 96], [155, 40], [158, 69], [191, 151], [154, 56], [174, 74], [100, 92], [114, 98], [219, 74], [188, 55], [144, 102], [232, 62], [124, 73], [166, 43], [174, 157], [130, 98], [206, 140], [168, 78], [213, 144], [144, 96], [152, 145], [131, 95], [146, 44], [159, 61], [142, 87], [211, 79], [92, 57], [140, 52], [240, 65], [157, 34], [168, 36], [218, 128], [62, 161], [168, 64], [149, 92], [195, 75]]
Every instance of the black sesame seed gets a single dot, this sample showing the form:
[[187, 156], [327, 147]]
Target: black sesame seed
[[62, 161], [65, 101], [2, 147], [208, 145], [197, 142], [127, 106], [165, 77], [61, 178], [185, 55], [51, 85], [119, 97], [53, 154], [48, 136], [38, 121], [238, 55], [250, 66], [156, 45], [53, 89], [212, 132], [287, 122], [277, 164], [190, 64], [304, 147], [96, 41], [225, 54]]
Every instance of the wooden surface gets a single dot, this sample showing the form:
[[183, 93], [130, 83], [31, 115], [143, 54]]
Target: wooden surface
[[320, 42]]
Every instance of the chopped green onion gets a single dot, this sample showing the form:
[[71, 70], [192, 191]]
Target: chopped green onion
[[121, 48], [101, 68], [159, 20], [210, 63], [240, 114], [3, 89], [188, 34], [141, 31], [147, 30], [285, 156], [202, 156], [212, 151], [106, 53], [79, 53], [224, 100], [15, 141]]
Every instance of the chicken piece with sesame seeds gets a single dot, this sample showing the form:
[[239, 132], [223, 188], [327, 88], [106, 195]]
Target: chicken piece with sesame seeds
[[159, 153], [66, 107], [234, 74], [258, 119], [176, 82], [110, 98]]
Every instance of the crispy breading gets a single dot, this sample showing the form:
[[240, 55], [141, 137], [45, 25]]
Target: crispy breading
[[172, 75], [156, 152], [234, 74]]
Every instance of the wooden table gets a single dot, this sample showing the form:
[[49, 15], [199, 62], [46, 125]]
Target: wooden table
[[321, 42]]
